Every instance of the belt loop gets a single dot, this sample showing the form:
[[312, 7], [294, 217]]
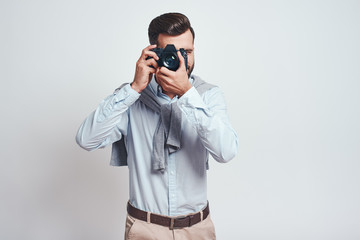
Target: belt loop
[[172, 220], [201, 215], [148, 217]]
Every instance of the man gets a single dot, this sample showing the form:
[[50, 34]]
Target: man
[[163, 126]]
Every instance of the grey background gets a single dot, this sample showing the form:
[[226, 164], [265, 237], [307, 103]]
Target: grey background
[[290, 72]]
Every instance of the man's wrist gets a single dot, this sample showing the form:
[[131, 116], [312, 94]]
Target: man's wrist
[[135, 87], [186, 89]]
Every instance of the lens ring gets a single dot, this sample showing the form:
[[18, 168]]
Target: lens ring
[[171, 61]]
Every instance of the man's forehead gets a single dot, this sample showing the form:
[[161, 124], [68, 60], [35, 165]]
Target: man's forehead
[[184, 40]]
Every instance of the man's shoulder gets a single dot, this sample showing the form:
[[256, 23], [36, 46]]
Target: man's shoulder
[[201, 85]]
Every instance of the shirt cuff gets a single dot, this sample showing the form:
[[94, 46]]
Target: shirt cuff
[[191, 99], [126, 95], [193, 106]]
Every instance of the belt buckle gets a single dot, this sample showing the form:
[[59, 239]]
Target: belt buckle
[[172, 221]]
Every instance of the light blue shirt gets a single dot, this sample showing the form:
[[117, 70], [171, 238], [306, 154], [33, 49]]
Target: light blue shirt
[[182, 188]]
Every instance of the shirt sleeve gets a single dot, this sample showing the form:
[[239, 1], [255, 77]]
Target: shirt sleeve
[[208, 114], [109, 122]]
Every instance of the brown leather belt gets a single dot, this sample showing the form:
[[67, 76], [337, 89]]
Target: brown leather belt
[[175, 222]]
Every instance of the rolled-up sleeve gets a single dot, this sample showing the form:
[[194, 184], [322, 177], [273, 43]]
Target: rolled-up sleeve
[[108, 123], [208, 114]]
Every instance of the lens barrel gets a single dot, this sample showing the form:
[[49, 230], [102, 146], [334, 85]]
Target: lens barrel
[[170, 61]]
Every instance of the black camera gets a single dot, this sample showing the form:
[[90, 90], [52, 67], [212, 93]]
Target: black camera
[[168, 57]]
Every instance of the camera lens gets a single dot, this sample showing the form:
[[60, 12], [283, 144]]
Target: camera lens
[[171, 61]]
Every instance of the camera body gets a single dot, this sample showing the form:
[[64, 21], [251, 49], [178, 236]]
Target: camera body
[[168, 57]]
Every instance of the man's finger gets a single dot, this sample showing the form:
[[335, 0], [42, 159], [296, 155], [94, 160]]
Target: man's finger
[[152, 70], [151, 54], [148, 53], [161, 73], [150, 47], [163, 80], [152, 62], [166, 72], [182, 60]]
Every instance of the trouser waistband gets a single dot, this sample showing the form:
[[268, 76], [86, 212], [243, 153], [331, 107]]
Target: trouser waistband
[[171, 222]]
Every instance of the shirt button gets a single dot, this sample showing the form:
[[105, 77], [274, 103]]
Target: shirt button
[[172, 172]]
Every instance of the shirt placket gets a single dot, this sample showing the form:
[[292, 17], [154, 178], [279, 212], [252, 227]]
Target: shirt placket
[[172, 185], [172, 189]]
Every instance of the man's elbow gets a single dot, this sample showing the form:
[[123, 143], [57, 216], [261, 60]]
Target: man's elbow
[[226, 155], [84, 142], [80, 141]]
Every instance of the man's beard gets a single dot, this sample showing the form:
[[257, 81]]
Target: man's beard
[[190, 69]]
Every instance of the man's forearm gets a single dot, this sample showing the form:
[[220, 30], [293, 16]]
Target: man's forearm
[[108, 122], [211, 123]]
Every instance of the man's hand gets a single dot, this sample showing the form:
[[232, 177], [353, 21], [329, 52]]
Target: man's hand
[[174, 83], [144, 71]]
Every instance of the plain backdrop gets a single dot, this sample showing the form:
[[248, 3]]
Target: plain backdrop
[[290, 71]]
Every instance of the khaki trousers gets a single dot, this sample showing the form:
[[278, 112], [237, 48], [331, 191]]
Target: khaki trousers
[[136, 229]]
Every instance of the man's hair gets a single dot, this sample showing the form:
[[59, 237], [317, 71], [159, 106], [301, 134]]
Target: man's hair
[[172, 24]]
